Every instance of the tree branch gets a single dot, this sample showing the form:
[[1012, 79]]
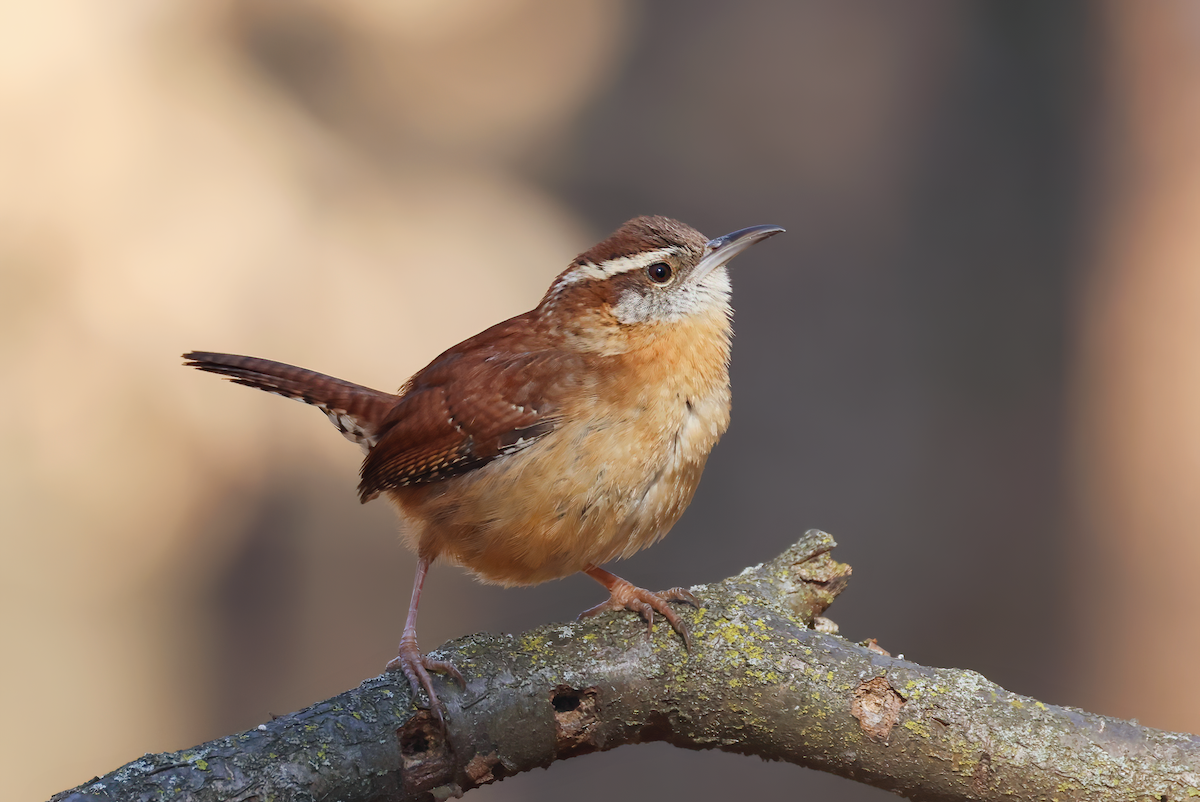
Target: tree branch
[[760, 682]]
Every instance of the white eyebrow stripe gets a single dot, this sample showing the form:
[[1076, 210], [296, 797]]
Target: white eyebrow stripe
[[613, 267]]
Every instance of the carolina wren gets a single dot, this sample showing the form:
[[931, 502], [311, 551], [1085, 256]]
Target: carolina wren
[[557, 440]]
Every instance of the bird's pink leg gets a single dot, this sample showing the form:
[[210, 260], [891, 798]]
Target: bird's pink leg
[[415, 665], [626, 596]]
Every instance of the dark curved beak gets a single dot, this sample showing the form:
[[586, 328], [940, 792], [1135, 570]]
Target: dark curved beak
[[722, 249]]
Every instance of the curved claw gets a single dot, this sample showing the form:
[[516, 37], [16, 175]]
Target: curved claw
[[626, 596], [416, 666]]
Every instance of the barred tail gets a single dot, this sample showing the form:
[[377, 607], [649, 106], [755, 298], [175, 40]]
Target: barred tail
[[355, 410]]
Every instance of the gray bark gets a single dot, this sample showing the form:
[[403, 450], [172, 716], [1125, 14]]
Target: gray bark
[[760, 682]]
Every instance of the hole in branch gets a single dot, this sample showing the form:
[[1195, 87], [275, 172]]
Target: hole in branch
[[565, 702]]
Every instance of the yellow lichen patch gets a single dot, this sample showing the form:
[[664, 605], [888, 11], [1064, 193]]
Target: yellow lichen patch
[[916, 727], [533, 644], [729, 631], [1016, 703], [965, 764]]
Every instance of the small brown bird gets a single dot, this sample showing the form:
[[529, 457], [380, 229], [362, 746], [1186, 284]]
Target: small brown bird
[[557, 440]]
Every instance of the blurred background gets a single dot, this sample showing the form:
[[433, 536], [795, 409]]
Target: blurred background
[[974, 358]]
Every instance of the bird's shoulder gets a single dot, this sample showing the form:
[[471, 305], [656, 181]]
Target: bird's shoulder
[[487, 397]]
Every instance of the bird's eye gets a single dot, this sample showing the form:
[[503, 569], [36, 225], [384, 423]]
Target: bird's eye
[[659, 272]]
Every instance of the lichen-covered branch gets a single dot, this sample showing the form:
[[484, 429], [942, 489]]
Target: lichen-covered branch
[[760, 682]]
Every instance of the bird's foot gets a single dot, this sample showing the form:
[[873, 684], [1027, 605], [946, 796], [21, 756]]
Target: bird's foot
[[626, 596], [416, 666]]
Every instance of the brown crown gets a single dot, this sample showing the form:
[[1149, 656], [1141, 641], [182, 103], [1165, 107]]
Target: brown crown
[[644, 234]]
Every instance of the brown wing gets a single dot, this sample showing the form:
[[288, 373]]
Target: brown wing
[[478, 402]]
